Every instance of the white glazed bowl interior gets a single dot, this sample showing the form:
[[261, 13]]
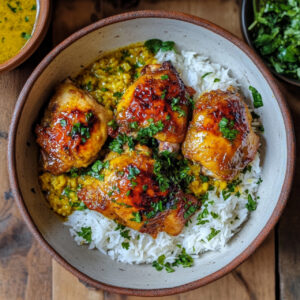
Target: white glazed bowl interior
[[84, 51]]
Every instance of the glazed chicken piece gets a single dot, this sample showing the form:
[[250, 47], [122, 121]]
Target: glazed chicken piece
[[72, 131], [220, 137], [130, 195], [158, 95]]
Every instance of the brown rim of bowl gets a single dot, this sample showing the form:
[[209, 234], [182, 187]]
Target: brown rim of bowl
[[290, 151], [40, 29]]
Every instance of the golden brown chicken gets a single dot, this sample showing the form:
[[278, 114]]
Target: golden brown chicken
[[130, 194], [220, 136], [158, 96], [72, 131]]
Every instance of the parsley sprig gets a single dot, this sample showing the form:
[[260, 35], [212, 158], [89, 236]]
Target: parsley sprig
[[183, 259], [176, 107], [257, 98], [154, 45], [226, 127], [169, 169], [86, 233]]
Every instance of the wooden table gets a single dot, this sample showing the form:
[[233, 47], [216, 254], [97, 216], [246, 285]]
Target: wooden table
[[28, 272]]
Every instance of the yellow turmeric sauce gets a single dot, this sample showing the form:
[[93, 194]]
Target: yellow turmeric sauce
[[17, 19]]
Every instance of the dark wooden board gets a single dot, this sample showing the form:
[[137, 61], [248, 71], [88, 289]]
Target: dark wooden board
[[289, 225]]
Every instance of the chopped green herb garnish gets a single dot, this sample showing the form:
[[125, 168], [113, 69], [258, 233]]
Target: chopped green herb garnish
[[247, 169], [81, 206], [118, 95], [63, 122], [33, 7], [25, 35], [88, 116], [136, 217], [119, 227], [125, 53], [191, 102], [176, 107], [145, 133], [113, 124], [26, 19], [125, 234], [261, 128], [117, 144], [134, 125], [164, 77], [190, 211], [206, 74], [217, 79], [213, 233], [73, 173], [214, 215], [13, 9], [227, 129], [204, 178], [86, 233], [202, 216], [80, 129], [168, 168], [96, 168], [88, 86], [145, 187], [257, 99], [254, 115], [125, 245], [183, 259], [251, 205], [133, 171], [154, 45]]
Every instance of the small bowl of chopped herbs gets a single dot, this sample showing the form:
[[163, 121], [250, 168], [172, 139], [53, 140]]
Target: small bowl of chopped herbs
[[272, 28]]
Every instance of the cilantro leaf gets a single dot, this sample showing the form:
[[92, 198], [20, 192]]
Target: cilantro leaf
[[86, 233], [154, 45], [257, 99], [252, 204]]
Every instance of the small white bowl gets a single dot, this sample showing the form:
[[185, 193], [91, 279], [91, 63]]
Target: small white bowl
[[81, 49]]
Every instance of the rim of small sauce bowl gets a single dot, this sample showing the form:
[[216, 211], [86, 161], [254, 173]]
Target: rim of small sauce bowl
[[39, 31]]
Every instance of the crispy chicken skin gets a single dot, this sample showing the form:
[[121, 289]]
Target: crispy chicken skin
[[151, 98], [207, 145], [129, 194], [72, 131]]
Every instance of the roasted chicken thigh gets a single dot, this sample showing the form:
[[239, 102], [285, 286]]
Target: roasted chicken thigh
[[158, 95], [130, 194], [220, 136], [72, 131]]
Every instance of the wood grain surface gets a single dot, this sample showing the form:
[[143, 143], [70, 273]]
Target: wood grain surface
[[27, 271]]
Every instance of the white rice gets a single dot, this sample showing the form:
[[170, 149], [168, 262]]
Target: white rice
[[231, 213]]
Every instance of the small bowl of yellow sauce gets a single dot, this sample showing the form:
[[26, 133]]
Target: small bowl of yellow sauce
[[23, 25]]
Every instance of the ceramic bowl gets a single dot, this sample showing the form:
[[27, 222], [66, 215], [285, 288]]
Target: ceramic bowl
[[247, 17], [40, 29], [81, 49]]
